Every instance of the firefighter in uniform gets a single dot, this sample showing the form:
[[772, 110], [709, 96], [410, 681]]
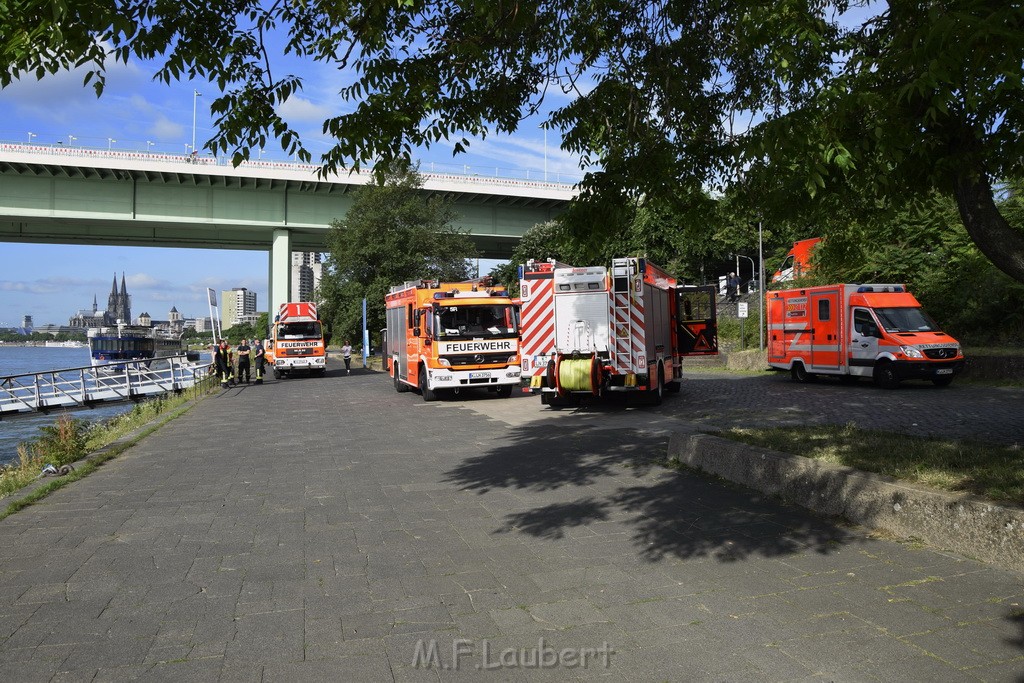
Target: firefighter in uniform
[[261, 358], [243, 361], [222, 360]]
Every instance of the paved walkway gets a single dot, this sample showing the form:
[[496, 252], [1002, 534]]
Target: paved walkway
[[333, 529]]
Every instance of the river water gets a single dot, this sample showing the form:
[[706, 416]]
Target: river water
[[16, 360]]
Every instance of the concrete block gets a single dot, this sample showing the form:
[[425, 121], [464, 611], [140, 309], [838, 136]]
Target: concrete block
[[963, 523]]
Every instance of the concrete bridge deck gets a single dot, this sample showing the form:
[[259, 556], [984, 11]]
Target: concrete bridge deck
[[333, 529]]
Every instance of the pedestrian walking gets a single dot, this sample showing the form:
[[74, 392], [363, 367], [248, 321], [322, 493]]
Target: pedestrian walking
[[243, 361], [222, 361], [260, 357], [732, 288], [346, 353]]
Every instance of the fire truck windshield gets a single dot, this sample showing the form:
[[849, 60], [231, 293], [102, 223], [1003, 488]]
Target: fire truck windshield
[[479, 320], [306, 330], [905, 320]]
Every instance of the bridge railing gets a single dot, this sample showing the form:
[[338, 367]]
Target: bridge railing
[[84, 386], [512, 177]]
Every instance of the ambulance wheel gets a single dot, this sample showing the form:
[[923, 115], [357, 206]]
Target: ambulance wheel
[[400, 386], [885, 375], [277, 374], [427, 393], [800, 374], [942, 381], [505, 391]]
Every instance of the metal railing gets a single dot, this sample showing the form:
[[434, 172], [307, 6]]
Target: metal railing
[[478, 173], [86, 386]]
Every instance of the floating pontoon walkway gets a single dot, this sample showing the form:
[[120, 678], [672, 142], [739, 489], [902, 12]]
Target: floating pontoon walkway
[[86, 386]]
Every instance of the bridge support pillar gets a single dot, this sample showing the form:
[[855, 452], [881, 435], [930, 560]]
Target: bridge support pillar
[[280, 271]]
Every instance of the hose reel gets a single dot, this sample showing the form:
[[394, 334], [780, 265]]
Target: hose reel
[[577, 374]]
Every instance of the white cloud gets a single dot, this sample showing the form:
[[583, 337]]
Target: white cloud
[[164, 130], [297, 108]]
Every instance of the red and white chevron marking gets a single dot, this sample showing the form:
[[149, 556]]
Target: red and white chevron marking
[[537, 324], [305, 310]]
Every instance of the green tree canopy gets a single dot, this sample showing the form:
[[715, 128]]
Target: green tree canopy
[[911, 97], [393, 233]]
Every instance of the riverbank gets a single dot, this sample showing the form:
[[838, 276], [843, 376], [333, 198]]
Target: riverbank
[[75, 448]]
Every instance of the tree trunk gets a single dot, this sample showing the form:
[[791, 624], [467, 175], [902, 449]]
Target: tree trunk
[[996, 238]]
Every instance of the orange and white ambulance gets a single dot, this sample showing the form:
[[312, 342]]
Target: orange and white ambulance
[[871, 330], [297, 342], [450, 336], [587, 331]]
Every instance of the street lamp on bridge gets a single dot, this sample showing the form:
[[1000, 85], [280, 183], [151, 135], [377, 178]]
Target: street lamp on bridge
[[30, 136], [149, 143], [110, 143], [71, 139], [195, 94]]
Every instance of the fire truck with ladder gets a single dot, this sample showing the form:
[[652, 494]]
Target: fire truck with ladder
[[450, 336], [588, 331]]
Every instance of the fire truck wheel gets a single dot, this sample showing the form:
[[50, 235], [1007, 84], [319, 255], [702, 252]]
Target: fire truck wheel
[[657, 394], [549, 376], [277, 374], [942, 381], [427, 393], [400, 386], [674, 387], [800, 374], [505, 391], [885, 375]]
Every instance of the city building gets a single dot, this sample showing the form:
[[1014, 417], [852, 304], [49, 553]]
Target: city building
[[202, 324], [119, 307], [26, 324], [175, 321], [235, 304], [306, 273]]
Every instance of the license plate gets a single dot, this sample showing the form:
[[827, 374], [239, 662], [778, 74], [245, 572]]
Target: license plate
[[944, 371], [479, 375]]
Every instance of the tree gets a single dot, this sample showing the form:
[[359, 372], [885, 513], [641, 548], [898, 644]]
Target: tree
[[924, 95], [393, 233]]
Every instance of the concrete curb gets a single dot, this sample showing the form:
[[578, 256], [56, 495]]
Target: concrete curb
[[965, 524]]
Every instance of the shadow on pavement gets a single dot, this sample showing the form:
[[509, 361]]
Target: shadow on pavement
[[668, 513]]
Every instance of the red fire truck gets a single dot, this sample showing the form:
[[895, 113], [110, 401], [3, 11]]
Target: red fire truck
[[297, 341], [587, 331], [450, 336], [871, 330]]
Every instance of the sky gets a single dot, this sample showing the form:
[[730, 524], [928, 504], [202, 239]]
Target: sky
[[136, 113]]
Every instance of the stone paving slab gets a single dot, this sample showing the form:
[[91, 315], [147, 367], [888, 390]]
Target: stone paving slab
[[333, 529]]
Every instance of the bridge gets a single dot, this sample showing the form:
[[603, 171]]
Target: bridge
[[71, 195]]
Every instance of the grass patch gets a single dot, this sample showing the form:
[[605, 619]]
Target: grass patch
[[991, 471], [68, 440]]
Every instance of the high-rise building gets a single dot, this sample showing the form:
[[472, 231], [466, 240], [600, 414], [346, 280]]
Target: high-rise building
[[306, 273], [236, 303]]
